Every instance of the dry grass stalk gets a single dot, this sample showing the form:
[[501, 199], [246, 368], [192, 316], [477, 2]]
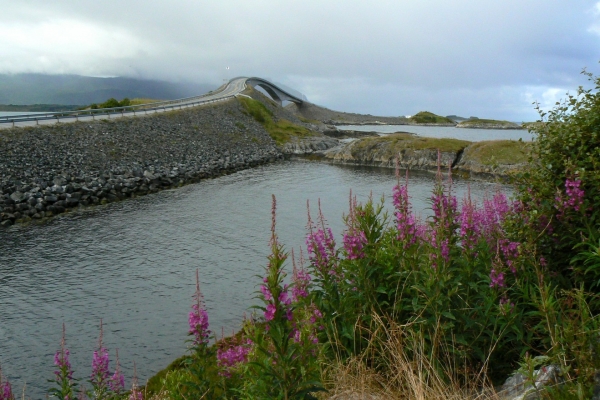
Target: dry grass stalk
[[404, 375]]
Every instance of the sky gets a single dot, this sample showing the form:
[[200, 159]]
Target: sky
[[485, 58]]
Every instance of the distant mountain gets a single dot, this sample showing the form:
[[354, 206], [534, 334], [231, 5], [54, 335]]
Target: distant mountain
[[83, 90]]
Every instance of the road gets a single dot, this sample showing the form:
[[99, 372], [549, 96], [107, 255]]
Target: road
[[233, 88]]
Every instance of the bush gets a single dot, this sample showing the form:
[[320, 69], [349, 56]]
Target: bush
[[563, 186]]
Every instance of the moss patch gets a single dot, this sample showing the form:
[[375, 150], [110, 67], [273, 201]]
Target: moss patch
[[282, 131], [426, 117], [496, 152]]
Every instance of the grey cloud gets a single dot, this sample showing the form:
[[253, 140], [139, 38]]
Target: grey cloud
[[366, 56]]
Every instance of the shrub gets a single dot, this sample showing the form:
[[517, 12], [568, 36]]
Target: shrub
[[563, 185]]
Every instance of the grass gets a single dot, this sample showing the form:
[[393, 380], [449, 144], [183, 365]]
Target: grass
[[498, 152], [282, 131], [426, 117], [402, 141], [401, 374], [138, 101]]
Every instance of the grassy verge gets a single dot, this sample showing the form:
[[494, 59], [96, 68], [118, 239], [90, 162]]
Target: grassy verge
[[498, 152], [139, 100], [282, 131]]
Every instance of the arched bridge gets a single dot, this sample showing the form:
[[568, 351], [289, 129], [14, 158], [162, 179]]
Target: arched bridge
[[233, 88], [274, 91]]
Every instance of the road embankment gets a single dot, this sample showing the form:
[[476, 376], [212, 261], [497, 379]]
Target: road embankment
[[47, 170]]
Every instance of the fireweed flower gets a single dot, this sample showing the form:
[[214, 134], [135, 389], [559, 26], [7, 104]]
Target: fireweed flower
[[5, 389], [496, 279], [270, 312], [354, 243], [573, 200], [64, 373], [406, 223], [100, 372], [117, 380], [267, 295], [321, 245], [300, 282], [198, 318], [470, 223], [231, 356], [510, 252], [136, 393]]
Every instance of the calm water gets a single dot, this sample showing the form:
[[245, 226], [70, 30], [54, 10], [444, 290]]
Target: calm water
[[7, 113], [133, 263], [473, 135]]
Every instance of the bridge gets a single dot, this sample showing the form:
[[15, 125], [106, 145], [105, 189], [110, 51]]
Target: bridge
[[232, 89]]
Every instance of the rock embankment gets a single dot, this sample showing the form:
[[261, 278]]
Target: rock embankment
[[47, 170], [479, 159]]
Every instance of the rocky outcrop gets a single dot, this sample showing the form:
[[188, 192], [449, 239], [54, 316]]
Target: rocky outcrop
[[47, 170], [308, 145], [420, 153], [487, 157], [470, 124], [382, 155]]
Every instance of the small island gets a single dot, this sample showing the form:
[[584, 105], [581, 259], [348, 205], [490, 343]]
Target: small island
[[429, 118], [478, 123]]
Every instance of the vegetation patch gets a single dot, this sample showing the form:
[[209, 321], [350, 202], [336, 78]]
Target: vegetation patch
[[495, 152], [138, 100], [397, 142], [282, 131], [487, 122], [426, 117]]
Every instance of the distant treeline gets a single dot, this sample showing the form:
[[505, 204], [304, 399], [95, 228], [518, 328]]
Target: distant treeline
[[110, 103]]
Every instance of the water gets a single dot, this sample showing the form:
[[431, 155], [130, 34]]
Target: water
[[133, 263], [473, 135], [13, 113]]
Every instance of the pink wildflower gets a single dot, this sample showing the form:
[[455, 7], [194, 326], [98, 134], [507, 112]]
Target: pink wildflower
[[270, 312], [354, 243], [5, 389], [497, 279], [198, 318], [235, 354], [406, 222], [117, 380]]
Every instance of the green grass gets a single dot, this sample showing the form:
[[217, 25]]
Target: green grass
[[499, 152], [138, 101], [401, 141], [426, 117], [282, 131]]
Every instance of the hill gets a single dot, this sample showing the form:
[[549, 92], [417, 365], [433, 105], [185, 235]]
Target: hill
[[19, 89], [426, 117]]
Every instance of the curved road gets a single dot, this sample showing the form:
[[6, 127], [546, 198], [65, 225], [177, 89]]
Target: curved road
[[233, 88]]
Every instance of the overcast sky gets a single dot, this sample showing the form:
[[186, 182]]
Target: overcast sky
[[488, 58]]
